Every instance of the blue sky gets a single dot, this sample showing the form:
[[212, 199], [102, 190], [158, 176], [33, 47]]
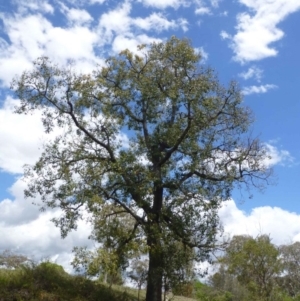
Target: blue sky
[[255, 42]]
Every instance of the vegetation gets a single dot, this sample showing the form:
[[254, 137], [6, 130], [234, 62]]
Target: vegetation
[[250, 269], [254, 269], [188, 148], [48, 281]]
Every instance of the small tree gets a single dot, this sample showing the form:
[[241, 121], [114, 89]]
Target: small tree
[[188, 145], [101, 263], [11, 260], [255, 263], [290, 280], [139, 273], [223, 282]]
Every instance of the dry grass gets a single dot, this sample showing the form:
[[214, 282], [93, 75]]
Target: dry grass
[[134, 293]]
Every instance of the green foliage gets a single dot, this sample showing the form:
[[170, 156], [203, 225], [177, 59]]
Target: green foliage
[[178, 271], [290, 256], [223, 282], [100, 262], [188, 148], [48, 281], [205, 292], [255, 263], [253, 269]]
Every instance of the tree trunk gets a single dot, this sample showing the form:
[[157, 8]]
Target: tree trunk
[[155, 273], [155, 270]]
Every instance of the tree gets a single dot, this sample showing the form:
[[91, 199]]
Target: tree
[[223, 282], [101, 262], [188, 145], [255, 263], [178, 270], [110, 229], [290, 280], [10, 260], [139, 274]]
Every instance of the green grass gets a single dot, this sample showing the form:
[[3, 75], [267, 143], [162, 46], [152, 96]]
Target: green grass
[[49, 282]]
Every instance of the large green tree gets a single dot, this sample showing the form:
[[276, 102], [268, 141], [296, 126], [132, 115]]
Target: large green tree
[[188, 145]]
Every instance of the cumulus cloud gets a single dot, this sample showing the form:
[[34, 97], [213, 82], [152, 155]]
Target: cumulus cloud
[[158, 22], [278, 156], [18, 211], [33, 5], [79, 3], [76, 16], [283, 226], [117, 24], [32, 36], [258, 89], [225, 35], [202, 11], [252, 72], [206, 7], [257, 29], [26, 230], [164, 4], [21, 138]]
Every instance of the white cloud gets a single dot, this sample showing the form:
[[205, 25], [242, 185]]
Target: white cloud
[[131, 42], [18, 211], [157, 22], [32, 36], [85, 2], [33, 5], [215, 3], [96, 1], [203, 53], [115, 21], [165, 3], [257, 30], [21, 137], [283, 226], [258, 89], [225, 35], [117, 28], [26, 230], [252, 72], [278, 156], [202, 11], [76, 16], [205, 8]]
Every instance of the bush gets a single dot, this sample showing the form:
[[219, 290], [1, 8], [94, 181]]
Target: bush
[[49, 282]]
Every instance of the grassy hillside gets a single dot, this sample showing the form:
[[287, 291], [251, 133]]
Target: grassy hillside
[[49, 282]]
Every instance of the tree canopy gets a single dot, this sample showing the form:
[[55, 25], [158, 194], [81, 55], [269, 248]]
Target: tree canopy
[[255, 263], [253, 268], [152, 133]]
